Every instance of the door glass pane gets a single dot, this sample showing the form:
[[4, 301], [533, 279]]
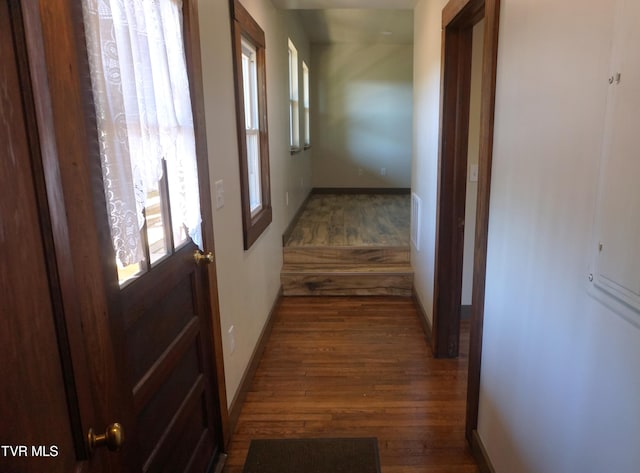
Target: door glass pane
[[128, 272], [156, 237], [253, 166]]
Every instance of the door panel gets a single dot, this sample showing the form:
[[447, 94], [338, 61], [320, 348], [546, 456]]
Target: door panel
[[170, 364]]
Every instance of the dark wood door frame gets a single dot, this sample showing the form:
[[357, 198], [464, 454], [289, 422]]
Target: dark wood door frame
[[458, 19]]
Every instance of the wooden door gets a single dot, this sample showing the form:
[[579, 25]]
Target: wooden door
[[168, 314], [167, 341], [33, 397], [79, 351]]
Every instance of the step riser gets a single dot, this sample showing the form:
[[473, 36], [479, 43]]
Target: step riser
[[347, 285], [301, 255]]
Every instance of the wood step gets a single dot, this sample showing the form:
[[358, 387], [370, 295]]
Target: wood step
[[346, 280], [341, 255]]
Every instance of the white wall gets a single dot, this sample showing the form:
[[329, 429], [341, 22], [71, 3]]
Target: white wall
[[249, 281], [560, 376], [426, 116], [361, 114]]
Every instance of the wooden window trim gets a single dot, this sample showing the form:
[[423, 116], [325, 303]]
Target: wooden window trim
[[243, 25]]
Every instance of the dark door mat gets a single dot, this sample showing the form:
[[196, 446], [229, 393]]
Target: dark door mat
[[326, 455]]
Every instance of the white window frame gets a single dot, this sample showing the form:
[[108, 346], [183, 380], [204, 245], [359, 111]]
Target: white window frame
[[305, 105], [294, 104], [252, 124]]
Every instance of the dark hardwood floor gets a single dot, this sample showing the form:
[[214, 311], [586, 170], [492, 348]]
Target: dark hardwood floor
[[358, 367]]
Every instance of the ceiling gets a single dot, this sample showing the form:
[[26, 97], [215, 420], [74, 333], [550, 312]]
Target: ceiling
[[354, 21], [327, 4]]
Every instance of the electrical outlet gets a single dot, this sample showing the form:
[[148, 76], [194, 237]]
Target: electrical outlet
[[219, 194], [232, 339]]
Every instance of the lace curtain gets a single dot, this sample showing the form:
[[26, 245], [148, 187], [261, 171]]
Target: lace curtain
[[141, 94]]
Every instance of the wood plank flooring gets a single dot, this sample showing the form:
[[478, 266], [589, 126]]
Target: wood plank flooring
[[350, 244], [353, 220], [358, 367]]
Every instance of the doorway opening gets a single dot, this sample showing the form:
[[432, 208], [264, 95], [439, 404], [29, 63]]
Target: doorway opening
[[458, 21]]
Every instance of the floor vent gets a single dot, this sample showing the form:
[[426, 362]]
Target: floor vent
[[416, 204]]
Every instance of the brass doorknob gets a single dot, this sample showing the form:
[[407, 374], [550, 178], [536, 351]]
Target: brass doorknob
[[204, 258], [113, 438]]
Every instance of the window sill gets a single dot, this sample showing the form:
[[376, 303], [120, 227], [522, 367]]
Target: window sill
[[306, 147], [295, 151]]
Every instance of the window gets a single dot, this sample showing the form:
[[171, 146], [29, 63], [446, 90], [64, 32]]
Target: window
[[253, 141], [294, 113], [252, 123], [305, 104]]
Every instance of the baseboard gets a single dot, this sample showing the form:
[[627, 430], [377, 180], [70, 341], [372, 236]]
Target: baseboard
[[465, 312], [361, 190], [424, 320], [287, 233], [249, 373], [480, 454]]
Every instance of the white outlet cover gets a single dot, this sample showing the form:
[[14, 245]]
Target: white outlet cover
[[219, 194]]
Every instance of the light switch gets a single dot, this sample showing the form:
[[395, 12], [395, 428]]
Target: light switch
[[473, 173], [219, 194]]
